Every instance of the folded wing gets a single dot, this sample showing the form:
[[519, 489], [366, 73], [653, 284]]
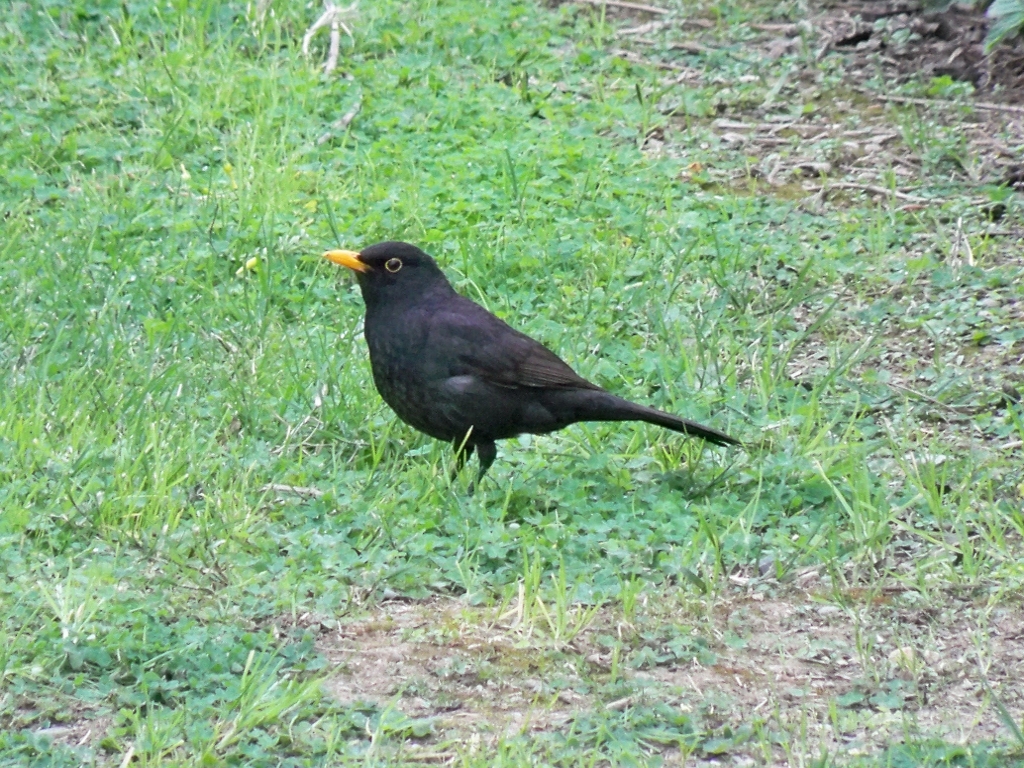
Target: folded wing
[[491, 350]]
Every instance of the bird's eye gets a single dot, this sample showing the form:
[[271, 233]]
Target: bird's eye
[[393, 265]]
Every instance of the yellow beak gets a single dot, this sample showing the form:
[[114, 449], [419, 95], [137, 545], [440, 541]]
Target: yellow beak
[[348, 259]]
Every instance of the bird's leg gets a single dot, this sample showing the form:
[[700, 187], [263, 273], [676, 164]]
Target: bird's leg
[[487, 453], [463, 450]]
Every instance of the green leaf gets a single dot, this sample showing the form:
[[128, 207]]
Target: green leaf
[[1008, 20]]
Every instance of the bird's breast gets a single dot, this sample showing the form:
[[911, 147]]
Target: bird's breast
[[405, 372]]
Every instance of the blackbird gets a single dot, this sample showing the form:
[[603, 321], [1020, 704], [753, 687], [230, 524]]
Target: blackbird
[[450, 368]]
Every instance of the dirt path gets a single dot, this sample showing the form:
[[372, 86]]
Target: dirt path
[[851, 679]]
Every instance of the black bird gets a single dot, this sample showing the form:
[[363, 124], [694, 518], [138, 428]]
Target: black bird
[[450, 368]]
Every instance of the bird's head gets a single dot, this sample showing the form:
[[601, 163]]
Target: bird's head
[[391, 270]]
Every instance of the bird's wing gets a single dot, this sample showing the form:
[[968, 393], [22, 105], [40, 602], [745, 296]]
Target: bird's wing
[[484, 346]]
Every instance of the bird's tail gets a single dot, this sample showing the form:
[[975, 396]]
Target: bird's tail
[[604, 406], [687, 427]]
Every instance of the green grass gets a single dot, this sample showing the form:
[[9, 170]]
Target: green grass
[[154, 386]]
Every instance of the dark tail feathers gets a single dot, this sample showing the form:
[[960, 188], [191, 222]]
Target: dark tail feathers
[[687, 427], [599, 405]]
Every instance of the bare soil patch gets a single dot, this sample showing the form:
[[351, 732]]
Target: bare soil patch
[[854, 676], [78, 732], [909, 40], [434, 659], [854, 139], [893, 667]]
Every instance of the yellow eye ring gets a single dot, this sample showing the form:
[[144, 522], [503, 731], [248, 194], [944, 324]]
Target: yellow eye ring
[[393, 265]]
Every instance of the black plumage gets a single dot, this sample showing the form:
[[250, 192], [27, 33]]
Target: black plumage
[[453, 370]]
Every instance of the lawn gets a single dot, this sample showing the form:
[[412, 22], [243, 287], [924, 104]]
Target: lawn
[[219, 546]]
